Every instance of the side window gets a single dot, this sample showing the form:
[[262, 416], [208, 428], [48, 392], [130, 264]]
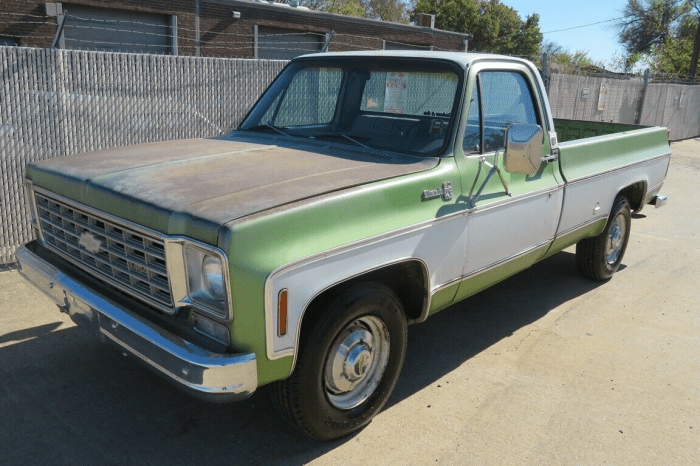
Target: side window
[[506, 100]]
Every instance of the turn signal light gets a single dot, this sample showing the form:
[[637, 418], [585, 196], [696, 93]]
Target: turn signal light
[[282, 313]]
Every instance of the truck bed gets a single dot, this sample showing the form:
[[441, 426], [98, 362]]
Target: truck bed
[[570, 130], [599, 160]]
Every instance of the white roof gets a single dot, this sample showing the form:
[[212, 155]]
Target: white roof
[[461, 58]]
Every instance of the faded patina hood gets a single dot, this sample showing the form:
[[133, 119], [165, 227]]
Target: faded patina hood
[[192, 187]]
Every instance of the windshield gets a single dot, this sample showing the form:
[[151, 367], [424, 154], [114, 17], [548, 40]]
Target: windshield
[[402, 105]]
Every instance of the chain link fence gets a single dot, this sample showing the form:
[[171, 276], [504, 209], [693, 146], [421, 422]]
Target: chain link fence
[[56, 102], [59, 102]]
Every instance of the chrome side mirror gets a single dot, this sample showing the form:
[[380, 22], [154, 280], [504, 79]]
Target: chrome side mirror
[[523, 152]]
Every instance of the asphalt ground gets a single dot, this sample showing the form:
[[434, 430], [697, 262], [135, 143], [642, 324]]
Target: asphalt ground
[[544, 368]]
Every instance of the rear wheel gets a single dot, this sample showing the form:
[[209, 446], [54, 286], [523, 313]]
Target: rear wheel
[[598, 258], [348, 364]]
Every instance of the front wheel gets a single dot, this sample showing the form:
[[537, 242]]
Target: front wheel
[[598, 258], [348, 364]]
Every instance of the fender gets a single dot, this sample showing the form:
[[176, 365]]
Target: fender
[[307, 278], [591, 197]]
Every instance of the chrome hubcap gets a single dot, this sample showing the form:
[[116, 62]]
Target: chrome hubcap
[[613, 246], [356, 362]]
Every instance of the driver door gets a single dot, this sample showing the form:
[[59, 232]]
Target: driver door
[[513, 217]]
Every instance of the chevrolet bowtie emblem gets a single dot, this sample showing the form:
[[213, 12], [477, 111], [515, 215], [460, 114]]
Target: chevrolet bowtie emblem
[[445, 192], [89, 242]]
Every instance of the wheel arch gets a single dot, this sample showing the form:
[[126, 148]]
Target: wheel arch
[[408, 278], [635, 194]]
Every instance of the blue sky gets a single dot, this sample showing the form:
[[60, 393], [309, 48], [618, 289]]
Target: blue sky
[[600, 41]]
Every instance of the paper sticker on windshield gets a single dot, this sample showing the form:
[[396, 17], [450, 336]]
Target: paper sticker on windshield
[[396, 93]]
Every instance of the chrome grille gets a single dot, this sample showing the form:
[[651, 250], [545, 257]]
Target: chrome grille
[[127, 259]]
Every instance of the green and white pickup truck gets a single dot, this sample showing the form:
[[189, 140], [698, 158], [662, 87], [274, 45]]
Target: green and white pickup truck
[[363, 192]]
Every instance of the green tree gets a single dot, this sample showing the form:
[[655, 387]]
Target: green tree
[[566, 62], [385, 10], [496, 27], [348, 8], [451, 15], [665, 31], [647, 23], [676, 54]]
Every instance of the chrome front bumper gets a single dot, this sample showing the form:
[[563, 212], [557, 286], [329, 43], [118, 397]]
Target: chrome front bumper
[[212, 376]]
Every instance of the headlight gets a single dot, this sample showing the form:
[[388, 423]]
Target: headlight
[[207, 280], [213, 276]]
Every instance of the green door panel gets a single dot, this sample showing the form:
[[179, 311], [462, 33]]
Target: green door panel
[[478, 282]]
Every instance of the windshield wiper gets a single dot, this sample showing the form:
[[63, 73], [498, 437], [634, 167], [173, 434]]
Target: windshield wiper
[[338, 136], [268, 126]]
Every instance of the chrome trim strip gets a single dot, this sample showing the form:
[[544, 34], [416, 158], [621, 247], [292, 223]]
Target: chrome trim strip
[[492, 266], [648, 198], [269, 312], [409, 229], [95, 271], [654, 188], [406, 230], [175, 270], [595, 175], [98, 213], [269, 324], [447, 284], [359, 244], [621, 135], [426, 296], [213, 376], [511, 200], [582, 225], [31, 204], [175, 250]]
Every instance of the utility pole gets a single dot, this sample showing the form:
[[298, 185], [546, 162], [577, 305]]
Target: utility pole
[[696, 52], [546, 73]]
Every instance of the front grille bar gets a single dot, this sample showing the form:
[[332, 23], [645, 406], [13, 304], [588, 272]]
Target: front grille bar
[[128, 259]]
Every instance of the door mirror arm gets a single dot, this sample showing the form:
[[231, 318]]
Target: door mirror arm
[[494, 169]]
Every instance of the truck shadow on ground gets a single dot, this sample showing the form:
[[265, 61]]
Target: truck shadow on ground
[[463, 330], [72, 400]]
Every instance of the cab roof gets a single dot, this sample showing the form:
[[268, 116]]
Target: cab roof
[[462, 59]]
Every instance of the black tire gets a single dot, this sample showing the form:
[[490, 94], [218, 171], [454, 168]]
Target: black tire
[[309, 400], [599, 257]]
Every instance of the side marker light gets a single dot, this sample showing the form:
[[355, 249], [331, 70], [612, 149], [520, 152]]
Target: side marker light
[[282, 313]]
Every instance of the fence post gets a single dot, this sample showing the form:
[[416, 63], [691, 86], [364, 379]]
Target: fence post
[[644, 96], [255, 41], [545, 70], [196, 28], [173, 32], [329, 37]]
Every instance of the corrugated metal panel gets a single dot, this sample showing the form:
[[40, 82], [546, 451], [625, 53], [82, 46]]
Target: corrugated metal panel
[[111, 30], [285, 44]]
